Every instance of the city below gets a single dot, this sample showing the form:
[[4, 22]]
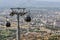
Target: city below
[[44, 25]]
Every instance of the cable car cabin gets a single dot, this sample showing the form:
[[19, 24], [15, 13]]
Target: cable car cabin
[[8, 24], [28, 19]]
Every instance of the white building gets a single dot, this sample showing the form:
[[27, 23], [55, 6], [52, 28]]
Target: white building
[[57, 24]]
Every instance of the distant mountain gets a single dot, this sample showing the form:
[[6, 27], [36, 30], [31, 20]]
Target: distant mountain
[[41, 4], [27, 3]]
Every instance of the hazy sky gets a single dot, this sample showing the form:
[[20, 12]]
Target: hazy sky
[[31, 0], [50, 0], [8, 3]]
